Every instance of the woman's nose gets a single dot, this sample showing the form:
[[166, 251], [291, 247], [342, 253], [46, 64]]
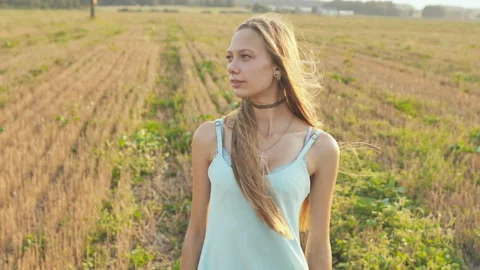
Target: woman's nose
[[232, 68]]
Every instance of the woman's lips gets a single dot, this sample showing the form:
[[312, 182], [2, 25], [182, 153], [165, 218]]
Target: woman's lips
[[236, 84]]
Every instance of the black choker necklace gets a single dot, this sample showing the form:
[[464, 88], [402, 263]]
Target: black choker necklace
[[266, 106]]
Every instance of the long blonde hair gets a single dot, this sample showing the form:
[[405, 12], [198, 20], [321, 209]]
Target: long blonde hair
[[299, 86]]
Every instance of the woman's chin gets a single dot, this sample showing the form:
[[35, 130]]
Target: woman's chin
[[240, 93]]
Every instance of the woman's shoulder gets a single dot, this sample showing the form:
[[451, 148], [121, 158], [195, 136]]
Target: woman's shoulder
[[204, 136], [325, 143]]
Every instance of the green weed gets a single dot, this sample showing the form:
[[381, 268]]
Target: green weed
[[37, 241], [139, 257], [343, 79], [206, 67], [8, 44], [409, 106], [38, 71]]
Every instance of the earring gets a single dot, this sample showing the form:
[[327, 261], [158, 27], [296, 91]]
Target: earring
[[277, 76]]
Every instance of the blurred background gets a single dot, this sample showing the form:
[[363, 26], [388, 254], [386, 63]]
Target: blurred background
[[99, 101]]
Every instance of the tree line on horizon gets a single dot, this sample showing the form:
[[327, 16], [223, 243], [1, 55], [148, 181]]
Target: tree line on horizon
[[370, 8], [71, 4], [388, 8]]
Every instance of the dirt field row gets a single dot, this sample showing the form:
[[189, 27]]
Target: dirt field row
[[53, 176]]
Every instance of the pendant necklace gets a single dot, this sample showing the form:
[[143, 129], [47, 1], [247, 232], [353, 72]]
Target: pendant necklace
[[264, 155]]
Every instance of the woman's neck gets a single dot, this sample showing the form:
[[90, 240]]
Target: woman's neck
[[272, 120]]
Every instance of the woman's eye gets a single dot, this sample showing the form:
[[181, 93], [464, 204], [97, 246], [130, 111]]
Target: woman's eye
[[228, 57]]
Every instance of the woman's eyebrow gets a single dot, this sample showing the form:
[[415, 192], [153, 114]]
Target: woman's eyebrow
[[228, 51]]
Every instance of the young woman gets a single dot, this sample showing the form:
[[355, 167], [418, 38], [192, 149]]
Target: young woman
[[266, 171]]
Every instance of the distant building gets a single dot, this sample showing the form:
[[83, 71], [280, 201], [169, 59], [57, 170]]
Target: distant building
[[305, 9], [334, 12], [288, 8], [310, 9], [271, 7], [285, 8]]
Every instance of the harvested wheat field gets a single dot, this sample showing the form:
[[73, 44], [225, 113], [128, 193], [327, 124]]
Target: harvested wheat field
[[96, 120]]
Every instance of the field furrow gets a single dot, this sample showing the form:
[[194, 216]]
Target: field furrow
[[51, 134]]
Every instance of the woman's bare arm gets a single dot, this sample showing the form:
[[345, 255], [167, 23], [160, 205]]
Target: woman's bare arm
[[203, 141], [318, 251]]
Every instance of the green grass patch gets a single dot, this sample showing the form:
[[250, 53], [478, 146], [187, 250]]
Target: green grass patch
[[343, 79], [174, 219], [471, 143], [343, 39], [64, 36], [430, 119], [78, 33], [409, 106], [460, 77], [175, 102], [203, 68], [139, 257], [3, 96], [38, 71], [377, 225], [142, 150], [63, 62], [9, 44], [35, 241], [59, 37], [474, 136]]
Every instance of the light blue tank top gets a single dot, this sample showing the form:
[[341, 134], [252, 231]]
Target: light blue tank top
[[236, 239]]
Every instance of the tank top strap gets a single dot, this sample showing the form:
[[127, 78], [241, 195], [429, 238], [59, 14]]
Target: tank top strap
[[309, 130], [309, 143], [219, 127]]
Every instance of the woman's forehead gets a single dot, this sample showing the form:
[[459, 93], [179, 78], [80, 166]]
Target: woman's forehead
[[246, 39]]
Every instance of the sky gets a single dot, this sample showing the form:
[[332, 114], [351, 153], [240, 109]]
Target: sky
[[419, 4]]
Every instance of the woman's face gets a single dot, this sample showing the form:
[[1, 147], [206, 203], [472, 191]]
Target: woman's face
[[249, 62]]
